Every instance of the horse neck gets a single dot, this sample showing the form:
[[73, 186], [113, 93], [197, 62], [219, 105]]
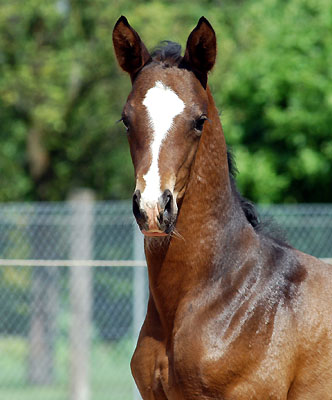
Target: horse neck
[[209, 180], [205, 217]]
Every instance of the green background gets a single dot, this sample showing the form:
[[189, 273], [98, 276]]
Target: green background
[[61, 93]]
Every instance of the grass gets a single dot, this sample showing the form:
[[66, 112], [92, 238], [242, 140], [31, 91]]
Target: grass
[[109, 367]]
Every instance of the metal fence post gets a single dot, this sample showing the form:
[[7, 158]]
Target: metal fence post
[[140, 298], [44, 310], [81, 294]]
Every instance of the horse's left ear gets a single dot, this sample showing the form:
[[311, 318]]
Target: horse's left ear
[[201, 50], [130, 51]]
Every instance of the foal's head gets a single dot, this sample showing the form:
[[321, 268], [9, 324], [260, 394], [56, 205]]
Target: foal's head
[[164, 116]]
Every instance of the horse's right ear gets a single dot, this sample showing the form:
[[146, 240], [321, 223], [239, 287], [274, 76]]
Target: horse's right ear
[[201, 50], [130, 51]]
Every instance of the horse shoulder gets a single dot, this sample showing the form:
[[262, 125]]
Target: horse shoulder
[[314, 330], [314, 301], [269, 352], [218, 357]]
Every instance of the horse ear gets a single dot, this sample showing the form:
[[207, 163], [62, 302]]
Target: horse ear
[[200, 54], [130, 51]]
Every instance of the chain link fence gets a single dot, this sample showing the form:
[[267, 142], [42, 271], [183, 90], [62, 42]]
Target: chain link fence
[[67, 330]]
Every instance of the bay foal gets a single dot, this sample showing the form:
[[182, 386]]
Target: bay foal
[[233, 313]]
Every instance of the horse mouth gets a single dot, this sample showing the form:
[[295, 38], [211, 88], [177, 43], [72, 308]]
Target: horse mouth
[[161, 229], [153, 233]]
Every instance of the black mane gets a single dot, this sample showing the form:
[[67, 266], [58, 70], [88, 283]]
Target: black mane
[[268, 227], [248, 208]]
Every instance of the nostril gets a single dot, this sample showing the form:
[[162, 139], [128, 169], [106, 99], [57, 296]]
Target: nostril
[[136, 201], [168, 204], [168, 201]]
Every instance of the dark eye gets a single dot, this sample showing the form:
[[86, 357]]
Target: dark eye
[[125, 122], [199, 123]]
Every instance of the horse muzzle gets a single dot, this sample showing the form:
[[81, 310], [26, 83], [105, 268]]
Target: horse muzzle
[[155, 219]]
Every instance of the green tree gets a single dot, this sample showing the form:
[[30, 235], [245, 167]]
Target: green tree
[[59, 104], [61, 93], [276, 87]]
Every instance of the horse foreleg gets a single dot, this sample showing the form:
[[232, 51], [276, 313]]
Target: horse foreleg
[[149, 364], [150, 369]]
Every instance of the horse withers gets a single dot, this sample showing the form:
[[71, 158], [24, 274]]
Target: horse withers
[[233, 312]]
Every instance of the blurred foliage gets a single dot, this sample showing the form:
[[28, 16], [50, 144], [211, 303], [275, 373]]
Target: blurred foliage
[[277, 92], [61, 93]]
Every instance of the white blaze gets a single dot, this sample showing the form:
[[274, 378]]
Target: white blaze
[[163, 105]]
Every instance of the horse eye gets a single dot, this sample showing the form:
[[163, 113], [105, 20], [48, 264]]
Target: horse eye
[[125, 123], [199, 123]]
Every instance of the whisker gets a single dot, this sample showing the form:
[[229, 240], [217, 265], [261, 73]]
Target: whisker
[[176, 234]]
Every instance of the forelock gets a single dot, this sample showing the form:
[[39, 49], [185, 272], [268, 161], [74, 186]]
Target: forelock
[[168, 53]]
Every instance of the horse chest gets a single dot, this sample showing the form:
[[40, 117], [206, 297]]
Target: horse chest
[[213, 355]]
